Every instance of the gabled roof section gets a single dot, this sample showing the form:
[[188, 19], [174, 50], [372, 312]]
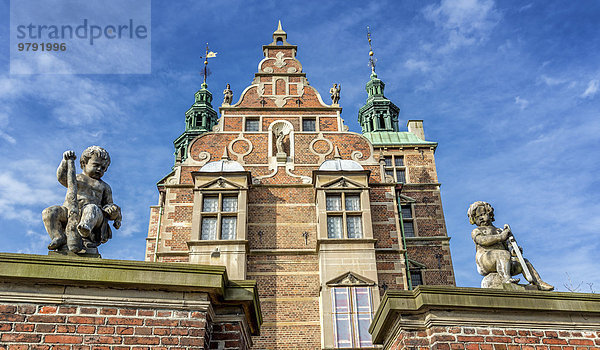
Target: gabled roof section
[[400, 138]]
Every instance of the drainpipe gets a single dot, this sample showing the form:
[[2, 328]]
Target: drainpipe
[[408, 279], [161, 203]]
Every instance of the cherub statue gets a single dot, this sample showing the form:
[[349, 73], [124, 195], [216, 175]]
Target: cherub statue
[[335, 93], [81, 223], [227, 95], [498, 257]]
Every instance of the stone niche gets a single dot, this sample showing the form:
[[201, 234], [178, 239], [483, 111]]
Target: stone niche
[[437, 317], [48, 301]]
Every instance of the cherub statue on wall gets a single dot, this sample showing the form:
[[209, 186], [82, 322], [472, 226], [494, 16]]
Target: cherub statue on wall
[[498, 257], [81, 223]]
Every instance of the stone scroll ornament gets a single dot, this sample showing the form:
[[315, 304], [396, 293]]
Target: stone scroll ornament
[[81, 223], [498, 257]]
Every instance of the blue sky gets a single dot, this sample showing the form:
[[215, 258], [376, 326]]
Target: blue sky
[[509, 90]]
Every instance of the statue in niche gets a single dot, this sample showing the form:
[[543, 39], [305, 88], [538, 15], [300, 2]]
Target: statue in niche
[[81, 224], [498, 257], [279, 141], [227, 95], [335, 93], [280, 131]]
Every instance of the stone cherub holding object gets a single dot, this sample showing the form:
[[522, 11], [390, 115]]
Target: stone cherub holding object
[[81, 223], [498, 256]]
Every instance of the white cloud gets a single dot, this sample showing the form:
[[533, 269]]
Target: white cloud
[[465, 21], [551, 81], [6, 137], [3, 124], [592, 88], [28, 184], [526, 7], [521, 102], [413, 64]]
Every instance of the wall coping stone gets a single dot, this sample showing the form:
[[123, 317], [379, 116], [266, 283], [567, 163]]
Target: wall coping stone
[[82, 272], [443, 305]]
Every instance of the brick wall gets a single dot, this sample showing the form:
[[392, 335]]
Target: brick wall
[[44, 326], [68, 303], [450, 318], [496, 338]]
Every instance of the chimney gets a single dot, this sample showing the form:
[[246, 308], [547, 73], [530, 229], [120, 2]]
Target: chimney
[[416, 127]]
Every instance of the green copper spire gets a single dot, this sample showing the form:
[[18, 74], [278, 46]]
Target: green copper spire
[[200, 118], [378, 113]]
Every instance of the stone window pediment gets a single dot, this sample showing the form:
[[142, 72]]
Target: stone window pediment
[[350, 279], [220, 184], [342, 183]]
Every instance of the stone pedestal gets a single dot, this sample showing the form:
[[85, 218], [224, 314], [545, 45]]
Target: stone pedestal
[[281, 157]]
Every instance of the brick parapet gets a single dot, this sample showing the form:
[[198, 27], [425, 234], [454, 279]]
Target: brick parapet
[[84, 303], [449, 318]]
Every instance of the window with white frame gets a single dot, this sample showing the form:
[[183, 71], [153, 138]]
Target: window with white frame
[[219, 216], [352, 314], [394, 167], [408, 225], [344, 216]]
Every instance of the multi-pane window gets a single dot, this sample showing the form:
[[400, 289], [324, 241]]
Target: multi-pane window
[[252, 124], [219, 216], [416, 278], [407, 220], [343, 215], [309, 124], [352, 313], [394, 167]]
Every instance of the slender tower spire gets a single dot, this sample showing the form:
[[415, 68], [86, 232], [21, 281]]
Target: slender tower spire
[[205, 73], [372, 60], [378, 114], [200, 118]]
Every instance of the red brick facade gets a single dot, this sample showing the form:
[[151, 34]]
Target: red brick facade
[[283, 248]]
